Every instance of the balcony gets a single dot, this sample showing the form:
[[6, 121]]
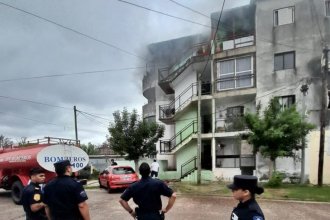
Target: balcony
[[148, 85], [149, 110], [198, 53], [233, 42], [168, 146], [230, 124], [167, 112]]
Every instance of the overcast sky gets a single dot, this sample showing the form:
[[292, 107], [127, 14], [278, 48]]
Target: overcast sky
[[35, 41]]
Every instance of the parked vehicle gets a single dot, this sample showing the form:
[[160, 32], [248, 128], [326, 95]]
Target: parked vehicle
[[117, 177], [15, 163]]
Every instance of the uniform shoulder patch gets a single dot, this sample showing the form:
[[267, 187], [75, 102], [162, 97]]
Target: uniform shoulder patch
[[258, 218], [36, 197], [83, 194]]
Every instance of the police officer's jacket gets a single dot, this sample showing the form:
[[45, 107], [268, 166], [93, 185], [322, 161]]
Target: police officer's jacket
[[32, 194], [62, 195], [146, 194], [248, 210]]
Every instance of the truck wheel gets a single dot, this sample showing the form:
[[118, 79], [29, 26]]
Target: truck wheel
[[16, 192]]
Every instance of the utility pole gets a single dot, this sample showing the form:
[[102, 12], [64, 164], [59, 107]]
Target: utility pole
[[199, 137], [304, 90], [75, 124], [323, 114]]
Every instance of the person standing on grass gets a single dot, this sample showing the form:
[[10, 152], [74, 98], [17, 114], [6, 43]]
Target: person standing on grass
[[154, 169]]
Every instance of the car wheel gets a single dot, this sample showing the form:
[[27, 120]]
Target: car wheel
[[100, 185], [16, 192], [109, 188]]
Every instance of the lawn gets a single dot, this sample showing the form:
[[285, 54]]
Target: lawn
[[285, 192]]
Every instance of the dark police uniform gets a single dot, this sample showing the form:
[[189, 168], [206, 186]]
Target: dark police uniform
[[146, 194], [62, 195], [32, 194], [248, 210]]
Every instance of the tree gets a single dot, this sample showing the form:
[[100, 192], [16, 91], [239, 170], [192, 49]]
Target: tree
[[5, 142], [133, 138], [22, 142], [89, 148], [278, 133]]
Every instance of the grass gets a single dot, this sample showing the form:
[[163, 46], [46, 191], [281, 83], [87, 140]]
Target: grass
[[285, 192]]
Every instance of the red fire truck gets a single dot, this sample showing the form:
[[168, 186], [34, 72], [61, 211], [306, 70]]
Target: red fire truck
[[15, 163]]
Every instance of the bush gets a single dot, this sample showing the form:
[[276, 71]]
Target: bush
[[275, 180]]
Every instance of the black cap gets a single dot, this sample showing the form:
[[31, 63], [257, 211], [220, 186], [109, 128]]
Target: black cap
[[246, 182]]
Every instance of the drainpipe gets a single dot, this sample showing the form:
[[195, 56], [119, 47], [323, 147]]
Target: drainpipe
[[199, 138]]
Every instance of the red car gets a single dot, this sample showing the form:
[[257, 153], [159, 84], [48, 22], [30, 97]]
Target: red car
[[116, 177]]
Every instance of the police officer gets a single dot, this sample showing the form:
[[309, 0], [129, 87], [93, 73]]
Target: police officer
[[244, 189], [32, 196], [146, 194], [65, 198]]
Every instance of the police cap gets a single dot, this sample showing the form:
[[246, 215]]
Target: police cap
[[246, 182]]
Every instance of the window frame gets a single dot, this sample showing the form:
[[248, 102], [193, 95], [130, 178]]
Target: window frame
[[283, 56], [235, 73], [276, 16], [280, 99], [327, 8]]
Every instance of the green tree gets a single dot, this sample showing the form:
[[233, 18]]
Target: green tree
[[90, 148], [132, 137], [277, 133]]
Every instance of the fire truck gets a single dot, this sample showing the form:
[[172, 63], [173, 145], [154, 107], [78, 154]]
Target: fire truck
[[16, 162]]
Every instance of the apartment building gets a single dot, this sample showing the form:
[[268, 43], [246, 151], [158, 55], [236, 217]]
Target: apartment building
[[265, 49]]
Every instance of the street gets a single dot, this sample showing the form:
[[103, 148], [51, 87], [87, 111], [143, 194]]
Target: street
[[106, 206]]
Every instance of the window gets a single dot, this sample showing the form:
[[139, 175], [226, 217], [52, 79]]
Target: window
[[327, 8], [235, 73], [287, 101], [284, 16], [284, 61], [236, 111]]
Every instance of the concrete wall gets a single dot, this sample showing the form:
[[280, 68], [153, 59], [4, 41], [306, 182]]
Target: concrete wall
[[313, 152], [303, 37], [180, 84]]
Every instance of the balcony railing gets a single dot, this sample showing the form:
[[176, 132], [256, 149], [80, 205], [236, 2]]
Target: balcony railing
[[228, 124], [234, 42], [167, 146], [197, 50], [169, 110], [235, 82]]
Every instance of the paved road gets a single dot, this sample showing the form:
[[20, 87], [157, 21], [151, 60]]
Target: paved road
[[105, 206]]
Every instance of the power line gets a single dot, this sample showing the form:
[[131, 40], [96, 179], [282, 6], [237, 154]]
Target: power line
[[70, 74], [34, 102], [73, 30], [163, 13], [92, 119], [94, 115], [186, 7]]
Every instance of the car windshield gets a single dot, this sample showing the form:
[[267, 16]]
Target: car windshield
[[122, 170]]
